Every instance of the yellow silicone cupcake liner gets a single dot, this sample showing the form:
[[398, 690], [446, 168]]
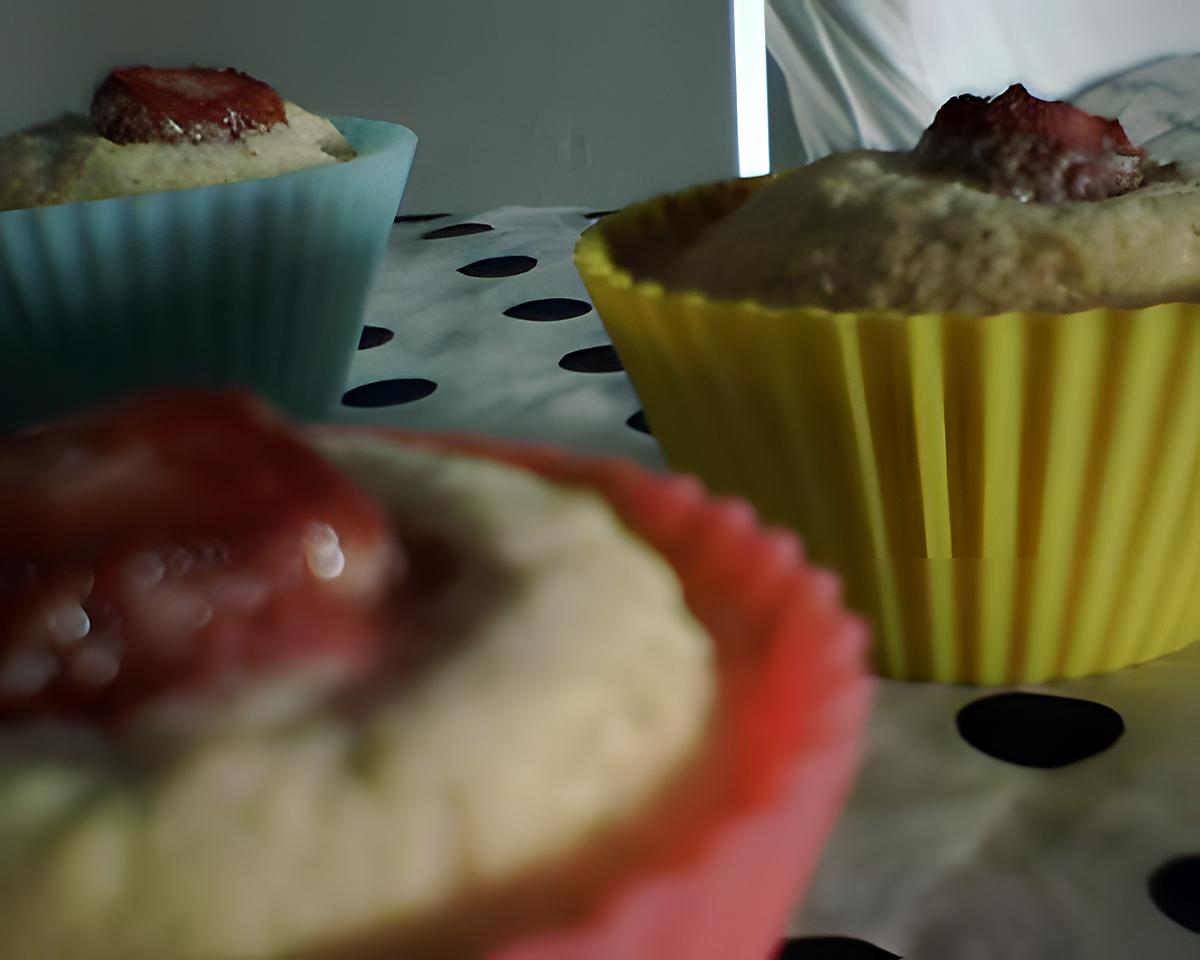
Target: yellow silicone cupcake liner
[[1012, 498]]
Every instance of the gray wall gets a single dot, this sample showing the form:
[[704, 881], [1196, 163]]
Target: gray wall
[[538, 102], [787, 151]]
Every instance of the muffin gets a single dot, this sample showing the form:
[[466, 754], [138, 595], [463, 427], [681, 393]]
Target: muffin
[[152, 130], [969, 376], [195, 229], [391, 696]]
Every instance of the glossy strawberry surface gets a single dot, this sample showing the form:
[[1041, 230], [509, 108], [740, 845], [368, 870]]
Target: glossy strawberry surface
[[1031, 149], [182, 542], [148, 104]]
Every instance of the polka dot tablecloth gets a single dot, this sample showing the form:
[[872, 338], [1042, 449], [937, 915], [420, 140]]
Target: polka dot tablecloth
[[483, 324], [1047, 823]]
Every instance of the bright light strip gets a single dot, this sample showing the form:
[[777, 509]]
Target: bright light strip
[[750, 86]]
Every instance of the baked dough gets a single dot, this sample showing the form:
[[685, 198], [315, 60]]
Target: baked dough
[[563, 682]]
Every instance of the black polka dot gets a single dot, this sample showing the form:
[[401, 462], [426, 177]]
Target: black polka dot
[[1039, 730], [373, 337], [597, 214], [638, 422], [602, 359], [420, 217], [498, 267], [1175, 890], [456, 230], [389, 393], [831, 948], [552, 308]]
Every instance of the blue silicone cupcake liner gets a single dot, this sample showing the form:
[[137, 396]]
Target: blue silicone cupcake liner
[[259, 283]]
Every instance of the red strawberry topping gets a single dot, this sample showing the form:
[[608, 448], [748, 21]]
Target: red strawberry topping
[[1020, 146], [180, 543], [150, 105]]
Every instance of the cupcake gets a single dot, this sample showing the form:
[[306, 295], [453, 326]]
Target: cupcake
[[969, 375], [196, 228], [349, 693]]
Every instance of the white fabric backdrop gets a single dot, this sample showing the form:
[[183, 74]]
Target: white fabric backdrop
[[873, 72]]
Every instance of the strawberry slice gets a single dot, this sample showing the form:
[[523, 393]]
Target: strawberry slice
[[181, 543], [152, 105], [1020, 146]]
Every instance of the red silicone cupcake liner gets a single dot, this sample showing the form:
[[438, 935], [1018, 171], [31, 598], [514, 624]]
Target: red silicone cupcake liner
[[794, 697]]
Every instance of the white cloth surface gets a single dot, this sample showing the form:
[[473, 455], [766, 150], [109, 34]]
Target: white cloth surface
[[944, 853], [495, 374]]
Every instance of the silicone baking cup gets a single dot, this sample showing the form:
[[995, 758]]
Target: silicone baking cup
[[259, 283], [713, 869], [1011, 498]]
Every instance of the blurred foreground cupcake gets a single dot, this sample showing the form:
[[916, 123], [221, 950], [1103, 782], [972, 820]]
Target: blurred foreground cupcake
[[969, 375], [195, 228], [352, 694]]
